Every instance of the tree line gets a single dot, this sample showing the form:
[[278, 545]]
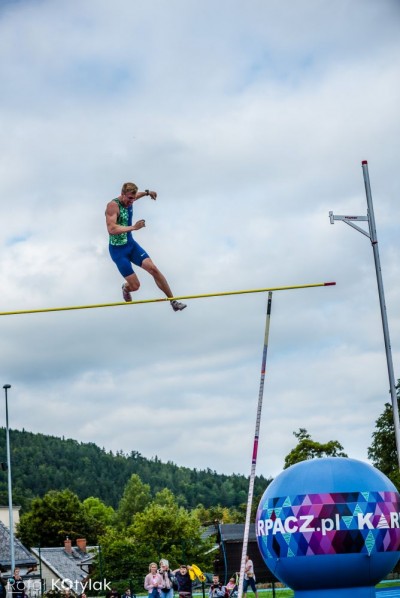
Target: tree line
[[41, 463]]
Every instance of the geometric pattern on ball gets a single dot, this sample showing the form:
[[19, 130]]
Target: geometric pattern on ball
[[329, 523]]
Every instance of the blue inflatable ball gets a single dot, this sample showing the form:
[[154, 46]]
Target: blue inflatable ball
[[329, 523]]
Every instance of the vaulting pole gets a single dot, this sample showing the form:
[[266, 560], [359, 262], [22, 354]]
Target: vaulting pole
[[164, 299], [255, 447]]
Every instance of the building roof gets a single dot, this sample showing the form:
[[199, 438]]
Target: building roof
[[234, 532], [23, 558], [209, 530], [71, 565]]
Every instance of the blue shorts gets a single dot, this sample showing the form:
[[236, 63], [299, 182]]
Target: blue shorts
[[125, 255], [249, 582]]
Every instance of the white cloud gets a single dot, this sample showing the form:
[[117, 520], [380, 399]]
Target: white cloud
[[251, 121]]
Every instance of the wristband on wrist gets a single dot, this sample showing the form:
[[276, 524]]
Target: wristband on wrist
[[147, 192]]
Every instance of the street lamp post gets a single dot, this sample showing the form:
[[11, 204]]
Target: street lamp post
[[10, 505]]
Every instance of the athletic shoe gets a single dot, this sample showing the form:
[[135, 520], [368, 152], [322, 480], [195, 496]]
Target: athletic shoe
[[126, 294], [177, 305]]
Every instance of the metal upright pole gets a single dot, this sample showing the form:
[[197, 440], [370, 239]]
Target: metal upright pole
[[370, 218], [255, 448], [388, 349], [10, 505]]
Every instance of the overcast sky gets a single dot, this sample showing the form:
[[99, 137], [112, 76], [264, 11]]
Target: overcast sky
[[250, 118]]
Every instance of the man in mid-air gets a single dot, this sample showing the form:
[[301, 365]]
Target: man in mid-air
[[123, 248]]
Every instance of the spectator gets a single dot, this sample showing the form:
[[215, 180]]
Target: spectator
[[183, 580], [217, 590], [167, 590], [249, 577], [231, 586], [153, 581], [17, 585]]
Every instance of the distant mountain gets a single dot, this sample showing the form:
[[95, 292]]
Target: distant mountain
[[41, 463]]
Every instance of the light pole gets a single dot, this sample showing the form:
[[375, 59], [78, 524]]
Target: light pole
[[10, 505]]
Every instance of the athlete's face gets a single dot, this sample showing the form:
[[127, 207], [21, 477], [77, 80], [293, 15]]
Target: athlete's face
[[128, 198]]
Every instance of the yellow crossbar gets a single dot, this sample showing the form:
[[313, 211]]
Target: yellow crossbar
[[224, 293]]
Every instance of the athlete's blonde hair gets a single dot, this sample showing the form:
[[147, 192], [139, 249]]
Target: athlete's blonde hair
[[129, 188]]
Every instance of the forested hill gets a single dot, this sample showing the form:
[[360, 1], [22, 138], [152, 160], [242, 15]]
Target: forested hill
[[41, 463]]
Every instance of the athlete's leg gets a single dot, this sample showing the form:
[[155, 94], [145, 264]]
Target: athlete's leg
[[159, 278], [162, 283], [132, 283]]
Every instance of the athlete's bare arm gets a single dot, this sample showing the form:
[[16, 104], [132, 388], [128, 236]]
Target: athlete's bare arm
[[152, 194], [112, 213]]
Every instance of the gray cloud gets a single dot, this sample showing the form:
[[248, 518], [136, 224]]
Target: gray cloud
[[251, 121]]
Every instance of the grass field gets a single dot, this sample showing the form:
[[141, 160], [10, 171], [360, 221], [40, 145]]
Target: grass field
[[287, 593]]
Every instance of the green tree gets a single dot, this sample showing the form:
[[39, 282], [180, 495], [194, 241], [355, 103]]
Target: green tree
[[135, 498], [383, 451], [117, 558], [164, 529], [53, 517], [310, 449], [94, 507], [219, 514]]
